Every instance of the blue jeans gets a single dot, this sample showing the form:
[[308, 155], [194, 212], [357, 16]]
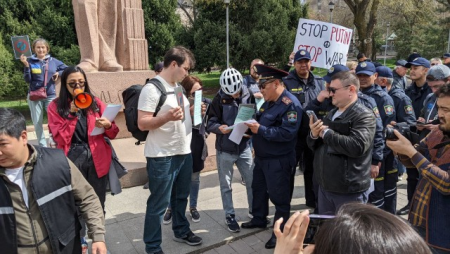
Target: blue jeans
[[225, 162], [37, 116], [169, 181], [195, 186], [330, 202]]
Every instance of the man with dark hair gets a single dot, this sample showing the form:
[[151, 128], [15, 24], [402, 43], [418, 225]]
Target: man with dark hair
[[342, 145], [305, 86], [361, 57], [446, 58], [168, 151], [40, 193], [431, 202]]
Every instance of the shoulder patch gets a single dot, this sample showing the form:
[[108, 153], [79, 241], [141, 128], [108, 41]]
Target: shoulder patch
[[376, 112], [292, 116], [409, 110], [389, 110], [286, 100]]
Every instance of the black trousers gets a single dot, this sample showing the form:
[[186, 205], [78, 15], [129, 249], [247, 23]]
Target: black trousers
[[271, 178], [385, 194], [411, 182], [305, 159]]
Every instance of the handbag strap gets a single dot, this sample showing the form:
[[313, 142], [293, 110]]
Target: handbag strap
[[45, 74]]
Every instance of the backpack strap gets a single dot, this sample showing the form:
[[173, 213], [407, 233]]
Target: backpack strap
[[163, 91]]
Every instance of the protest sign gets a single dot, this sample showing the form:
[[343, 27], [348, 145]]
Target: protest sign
[[21, 45], [327, 43]]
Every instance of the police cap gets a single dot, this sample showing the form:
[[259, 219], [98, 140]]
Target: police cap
[[268, 73]]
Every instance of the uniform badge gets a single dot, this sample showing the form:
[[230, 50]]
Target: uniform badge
[[376, 112], [292, 116], [261, 109], [409, 110], [331, 70], [363, 64], [302, 53], [389, 110], [286, 100]]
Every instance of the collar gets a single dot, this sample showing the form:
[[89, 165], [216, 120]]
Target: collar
[[31, 160]]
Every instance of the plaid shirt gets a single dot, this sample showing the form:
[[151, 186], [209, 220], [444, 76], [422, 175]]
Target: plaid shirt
[[433, 162]]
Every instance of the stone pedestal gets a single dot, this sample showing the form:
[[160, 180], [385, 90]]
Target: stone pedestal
[[132, 47]]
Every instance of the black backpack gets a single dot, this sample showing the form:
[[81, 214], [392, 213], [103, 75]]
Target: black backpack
[[131, 99]]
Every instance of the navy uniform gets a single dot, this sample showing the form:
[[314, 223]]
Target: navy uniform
[[418, 94], [305, 90], [274, 146]]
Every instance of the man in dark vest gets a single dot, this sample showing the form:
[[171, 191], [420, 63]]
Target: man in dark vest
[[40, 191]]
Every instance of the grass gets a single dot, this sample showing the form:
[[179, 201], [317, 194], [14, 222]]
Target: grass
[[21, 106]]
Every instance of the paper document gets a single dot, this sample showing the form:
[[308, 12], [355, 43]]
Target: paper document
[[198, 107], [245, 113], [259, 103], [239, 131], [179, 94], [110, 113]]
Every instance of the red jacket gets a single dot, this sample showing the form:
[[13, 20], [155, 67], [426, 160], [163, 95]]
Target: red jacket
[[62, 130]]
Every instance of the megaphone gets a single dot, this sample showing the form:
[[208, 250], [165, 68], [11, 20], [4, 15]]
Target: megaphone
[[82, 100]]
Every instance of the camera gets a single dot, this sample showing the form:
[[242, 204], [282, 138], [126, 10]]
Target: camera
[[407, 130], [315, 222]]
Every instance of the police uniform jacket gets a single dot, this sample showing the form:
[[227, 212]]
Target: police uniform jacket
[[223, 111], [322, 109], [384, 102], [343, 156], [279, 122], [417, 96], [403, 107], [49, 224]]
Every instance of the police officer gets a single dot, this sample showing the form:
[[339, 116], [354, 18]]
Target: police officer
[[366, 73], [323, 104], [304, 85], [404, 114], [274, 138]]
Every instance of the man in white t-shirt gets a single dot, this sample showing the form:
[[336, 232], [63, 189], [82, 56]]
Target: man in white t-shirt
[[167, 148]]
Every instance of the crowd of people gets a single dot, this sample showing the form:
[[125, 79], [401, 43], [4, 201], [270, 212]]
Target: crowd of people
[[352, 132]]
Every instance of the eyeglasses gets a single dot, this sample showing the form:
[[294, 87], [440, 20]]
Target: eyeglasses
[[433, 64], [333, 90], [73, 85]]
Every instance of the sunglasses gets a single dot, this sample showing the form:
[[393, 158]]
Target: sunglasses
[[333, 89], [73, 85]]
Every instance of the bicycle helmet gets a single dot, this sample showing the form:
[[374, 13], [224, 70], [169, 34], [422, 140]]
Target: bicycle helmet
[[231, 81]]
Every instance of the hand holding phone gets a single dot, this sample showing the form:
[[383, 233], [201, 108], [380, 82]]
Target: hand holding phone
[[311, 113], [315, 222]]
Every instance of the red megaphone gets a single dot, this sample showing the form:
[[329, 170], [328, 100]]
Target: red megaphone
[[82, 100]]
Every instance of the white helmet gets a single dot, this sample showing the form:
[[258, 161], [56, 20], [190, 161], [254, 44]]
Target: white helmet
[[231, 81]]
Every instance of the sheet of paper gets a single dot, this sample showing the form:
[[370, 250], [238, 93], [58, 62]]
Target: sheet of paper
[[245, 113], [198, 107], [110, 113], [372, 186], [259, 103], [179, 93], [239, 131]]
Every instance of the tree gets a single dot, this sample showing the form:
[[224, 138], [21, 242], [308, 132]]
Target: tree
[[364, 22]]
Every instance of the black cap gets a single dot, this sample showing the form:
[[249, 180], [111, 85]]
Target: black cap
[[446, 55], [267, 73], [413, 56]]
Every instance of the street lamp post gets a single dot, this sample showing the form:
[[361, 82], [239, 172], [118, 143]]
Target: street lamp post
[[331, 6], [386, 44], [227, 3]]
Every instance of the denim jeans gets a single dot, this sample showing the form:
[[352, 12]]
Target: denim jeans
[[244, 163], [195, 186], [37, 116], [169, 181]]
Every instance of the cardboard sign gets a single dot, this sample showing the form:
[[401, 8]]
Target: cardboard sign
[[327, 43], [21, 45]]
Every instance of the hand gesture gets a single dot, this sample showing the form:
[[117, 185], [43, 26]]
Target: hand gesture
[[316, 127], [222, 129], [374, 170], [293, 235], [175, 114], [23, 59], [102, 123], [254, 127], [322, 95]]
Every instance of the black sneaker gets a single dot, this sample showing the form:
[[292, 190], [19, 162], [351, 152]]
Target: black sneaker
[[190, 239], [250, 215], [194, 215], [232, 224], [167, 217], [403, 211]]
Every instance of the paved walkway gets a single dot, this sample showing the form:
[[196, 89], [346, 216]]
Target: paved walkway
[[125, 219]]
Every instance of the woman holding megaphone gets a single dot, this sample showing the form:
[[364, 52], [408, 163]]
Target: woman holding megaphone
[[71, 118]]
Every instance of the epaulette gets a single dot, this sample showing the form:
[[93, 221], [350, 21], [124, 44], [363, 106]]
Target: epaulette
[[286, 100]]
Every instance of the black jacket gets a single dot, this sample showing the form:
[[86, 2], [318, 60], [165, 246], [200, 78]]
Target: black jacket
[[417, 96], [343, 157]]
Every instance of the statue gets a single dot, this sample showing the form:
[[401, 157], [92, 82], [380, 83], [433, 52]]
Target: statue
[[104, 37]]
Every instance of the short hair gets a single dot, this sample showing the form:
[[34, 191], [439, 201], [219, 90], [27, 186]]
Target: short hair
[[347, 78], [258, 60], [189, 81], [12, 122], [437, 59], [42, 41], [361, 228], [179, 54], [444, 91], [360, 55], [352, 65]]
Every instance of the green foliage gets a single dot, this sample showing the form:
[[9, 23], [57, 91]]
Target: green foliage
[[267, 33]]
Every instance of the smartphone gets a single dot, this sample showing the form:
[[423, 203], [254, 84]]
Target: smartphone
[[311, 113], [315, 222]]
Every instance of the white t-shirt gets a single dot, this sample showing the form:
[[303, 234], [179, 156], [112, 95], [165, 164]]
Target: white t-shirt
[[15, 175], [172, 138]]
